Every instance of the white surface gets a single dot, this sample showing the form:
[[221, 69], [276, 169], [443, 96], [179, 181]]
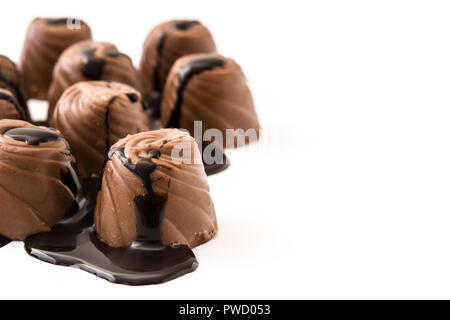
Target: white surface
[[351, 197]]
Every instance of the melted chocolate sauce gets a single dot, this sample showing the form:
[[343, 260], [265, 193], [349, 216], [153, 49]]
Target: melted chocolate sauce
[[210, 169], [32, 136], [93, 68], [107, 125], [13, 101], [185, 24], [192, 68]]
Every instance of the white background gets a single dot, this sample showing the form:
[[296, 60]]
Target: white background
[[347, 195]]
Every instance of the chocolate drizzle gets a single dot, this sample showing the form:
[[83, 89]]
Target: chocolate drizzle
[[185, 24], [192, 68], [32, 136], [93, 68], [55, 22], [13, 101]]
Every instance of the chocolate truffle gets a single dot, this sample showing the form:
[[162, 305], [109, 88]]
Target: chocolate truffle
[[10, 79], [210, 88], [163, 46], [93, 115], [46, 39], [38, 183], [89, 60], [10, 107], [146, 191]]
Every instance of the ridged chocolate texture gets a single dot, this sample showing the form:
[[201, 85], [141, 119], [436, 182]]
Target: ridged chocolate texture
[[189, 215], [10, 79], [10, 107], [93, 116], [38, 184], [46, 39], [164, 45], [210, 88], [89, 60]]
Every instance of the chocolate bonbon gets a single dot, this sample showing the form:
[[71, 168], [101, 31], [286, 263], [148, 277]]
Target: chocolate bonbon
[[163, 46], [46, 39], [212, 89], [94, 115], [89, 60], [38, 183]]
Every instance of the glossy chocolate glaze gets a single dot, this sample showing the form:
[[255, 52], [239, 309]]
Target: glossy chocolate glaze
[[192, 68], [32, 136], [15, 103]]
